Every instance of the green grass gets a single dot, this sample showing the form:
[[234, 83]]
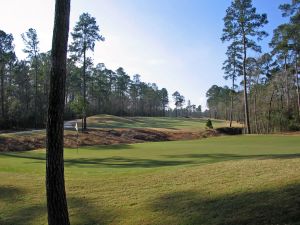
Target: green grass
[[224, 180], [108, 121]]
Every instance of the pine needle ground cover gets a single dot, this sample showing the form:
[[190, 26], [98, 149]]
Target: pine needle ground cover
[[222, 180]]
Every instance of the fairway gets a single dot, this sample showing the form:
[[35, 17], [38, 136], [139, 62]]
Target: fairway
[[222, 180], [175, 123]]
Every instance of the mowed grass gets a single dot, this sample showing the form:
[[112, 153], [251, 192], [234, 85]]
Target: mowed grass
[[223, 180], [179, 123], [110, 121]]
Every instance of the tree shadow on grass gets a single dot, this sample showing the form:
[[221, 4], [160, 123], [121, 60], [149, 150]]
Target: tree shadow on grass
[[9, 193], [108, 147], [22, 212], [109, 162], [270, 207], [123, 162], [126, 162], [215, 158], [84, 212], [17, 211]]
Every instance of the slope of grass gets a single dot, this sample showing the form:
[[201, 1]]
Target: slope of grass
[[224, 180], [108, 121], [169, 124]]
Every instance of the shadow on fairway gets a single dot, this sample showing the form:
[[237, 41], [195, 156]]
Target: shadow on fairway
[[107, 147], [280, 207], [9, 194], [22, 213], [81, 210], [214, 158], [122, 162], [111, 162], [125, 162]]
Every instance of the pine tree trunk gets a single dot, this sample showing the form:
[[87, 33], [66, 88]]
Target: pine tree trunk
[[255, 111], [84, 89], [269, 112], [36, 93], [2, 92], [286, 85], [231, 100], [55, 182], [247, 122], [297, 84]]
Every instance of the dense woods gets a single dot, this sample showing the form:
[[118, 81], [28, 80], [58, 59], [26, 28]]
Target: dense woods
[[90, 89], [269, 84]]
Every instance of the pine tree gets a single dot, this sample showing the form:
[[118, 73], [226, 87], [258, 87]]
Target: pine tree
[[232, 67], [32, 49], [6, 53], [242, 23], [85, 34]]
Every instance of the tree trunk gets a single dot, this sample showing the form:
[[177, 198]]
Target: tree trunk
[[36, 92], [286, 85], [231, 99], [84, 89], [281, 112], [2, 92], [255, 111], [55, 182], [247, 123], [269, 112], [297, 84]]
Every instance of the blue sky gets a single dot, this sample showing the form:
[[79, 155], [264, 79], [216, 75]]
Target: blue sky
[[174, 43]]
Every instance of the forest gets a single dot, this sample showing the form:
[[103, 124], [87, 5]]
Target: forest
[[90, 89], [264, 92], [265, 85]]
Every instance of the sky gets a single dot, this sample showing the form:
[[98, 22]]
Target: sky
[[173, 43]]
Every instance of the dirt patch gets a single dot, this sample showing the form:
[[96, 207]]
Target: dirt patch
[[21, 143], [102, 137]]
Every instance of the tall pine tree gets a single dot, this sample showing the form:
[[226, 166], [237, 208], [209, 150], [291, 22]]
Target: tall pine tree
[[85, 34], [243, 24]]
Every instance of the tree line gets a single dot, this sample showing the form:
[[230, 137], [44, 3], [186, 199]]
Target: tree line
[[90, 89], [264, 92]]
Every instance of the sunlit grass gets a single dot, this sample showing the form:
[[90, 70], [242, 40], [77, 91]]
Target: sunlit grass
[[180, 123], [224, 180]]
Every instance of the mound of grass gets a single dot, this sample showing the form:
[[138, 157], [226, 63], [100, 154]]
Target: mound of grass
[[224, 180], [108, 121]]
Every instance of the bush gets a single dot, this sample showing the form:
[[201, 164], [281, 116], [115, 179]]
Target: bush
[[209, 124], [294, 127]]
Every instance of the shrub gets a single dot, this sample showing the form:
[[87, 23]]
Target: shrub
[[209, 124]]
